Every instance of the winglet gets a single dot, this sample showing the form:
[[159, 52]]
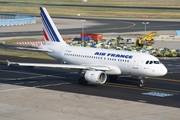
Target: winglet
[[8, 62]]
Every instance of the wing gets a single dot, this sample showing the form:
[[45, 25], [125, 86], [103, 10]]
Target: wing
[[85, 67]]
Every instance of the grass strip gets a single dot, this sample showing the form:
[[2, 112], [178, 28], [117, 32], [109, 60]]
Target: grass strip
[[96, 12], [24, 54], [92, 12], [163, 3], [21, 53]]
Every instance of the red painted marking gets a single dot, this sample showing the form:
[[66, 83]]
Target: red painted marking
[[45, 35]]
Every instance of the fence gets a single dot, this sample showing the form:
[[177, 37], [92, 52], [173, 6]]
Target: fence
[[16, 19]]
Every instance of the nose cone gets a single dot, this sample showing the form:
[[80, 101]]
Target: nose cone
[[163, 71]]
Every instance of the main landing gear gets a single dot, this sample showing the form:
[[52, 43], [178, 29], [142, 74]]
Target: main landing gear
[[113, 78], [82, 80], [141, 85]]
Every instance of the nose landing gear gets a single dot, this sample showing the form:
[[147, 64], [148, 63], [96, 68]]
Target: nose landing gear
[[141, 85]]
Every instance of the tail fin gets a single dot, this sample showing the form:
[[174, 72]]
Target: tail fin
[[51, 34]]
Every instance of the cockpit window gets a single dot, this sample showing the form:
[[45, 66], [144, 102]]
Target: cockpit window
[[153, 62], [147, 62], [156, 62], [150, 62]]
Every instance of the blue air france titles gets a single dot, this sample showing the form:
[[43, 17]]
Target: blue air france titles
[[113, 55]]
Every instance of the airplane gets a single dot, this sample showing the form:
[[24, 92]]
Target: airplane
[[95, 65]]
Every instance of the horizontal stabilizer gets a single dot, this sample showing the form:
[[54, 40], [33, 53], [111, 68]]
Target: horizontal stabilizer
[[33, 49]]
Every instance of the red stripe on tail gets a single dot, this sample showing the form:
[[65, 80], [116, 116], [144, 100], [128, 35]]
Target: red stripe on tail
[[45, 35]]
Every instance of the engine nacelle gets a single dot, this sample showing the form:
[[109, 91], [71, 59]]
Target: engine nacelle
[[97, 77]]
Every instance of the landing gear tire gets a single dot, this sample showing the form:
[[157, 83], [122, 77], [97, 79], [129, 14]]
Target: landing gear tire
[[82, 81], [113, 78], [141, 85]]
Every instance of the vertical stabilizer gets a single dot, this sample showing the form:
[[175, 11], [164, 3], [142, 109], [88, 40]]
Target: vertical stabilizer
[[51, 34]]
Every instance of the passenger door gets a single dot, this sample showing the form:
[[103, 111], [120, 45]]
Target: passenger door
[[135, 67]]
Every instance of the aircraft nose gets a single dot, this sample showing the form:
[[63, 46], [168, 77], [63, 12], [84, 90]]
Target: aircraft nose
[[163, 71]]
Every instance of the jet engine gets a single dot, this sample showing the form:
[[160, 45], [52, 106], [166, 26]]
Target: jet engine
[[97, 77]]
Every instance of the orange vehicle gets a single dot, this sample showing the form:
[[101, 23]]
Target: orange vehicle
[[92, 35]]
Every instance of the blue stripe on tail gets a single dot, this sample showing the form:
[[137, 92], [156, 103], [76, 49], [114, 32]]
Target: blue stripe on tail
[[47, 29]]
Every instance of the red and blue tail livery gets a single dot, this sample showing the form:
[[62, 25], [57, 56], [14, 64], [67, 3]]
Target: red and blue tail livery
[[50, 31]]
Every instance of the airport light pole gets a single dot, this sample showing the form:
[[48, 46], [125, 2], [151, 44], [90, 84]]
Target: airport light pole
[[83, 29], [145, 23], [79, 16]]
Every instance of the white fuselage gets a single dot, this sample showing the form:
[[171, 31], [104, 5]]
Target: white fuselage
[[131, 63]]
